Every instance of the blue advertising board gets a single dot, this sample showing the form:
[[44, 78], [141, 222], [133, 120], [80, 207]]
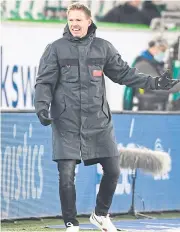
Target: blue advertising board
[[29, 178]]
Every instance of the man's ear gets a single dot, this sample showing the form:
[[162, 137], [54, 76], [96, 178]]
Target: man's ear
[[90, 22]]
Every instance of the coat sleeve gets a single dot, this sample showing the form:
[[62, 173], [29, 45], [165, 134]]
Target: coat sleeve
[[120, 72], [48, 73], [145, 67]]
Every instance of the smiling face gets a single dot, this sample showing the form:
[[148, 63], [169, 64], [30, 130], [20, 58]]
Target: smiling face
[[78, 22]]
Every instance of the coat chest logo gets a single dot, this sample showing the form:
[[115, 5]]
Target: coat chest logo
[[97, 73]]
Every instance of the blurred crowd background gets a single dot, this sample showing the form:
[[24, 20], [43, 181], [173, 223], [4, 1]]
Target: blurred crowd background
[[128, 12]]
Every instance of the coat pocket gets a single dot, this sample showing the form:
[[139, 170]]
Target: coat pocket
[[58, 107], [96, 73], [69, 70], [96, 66], [105, 107], [69, 74]]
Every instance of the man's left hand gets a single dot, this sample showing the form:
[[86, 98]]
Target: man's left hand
[[165, 82]]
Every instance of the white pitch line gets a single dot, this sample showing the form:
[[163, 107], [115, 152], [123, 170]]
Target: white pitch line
[[131, 128]]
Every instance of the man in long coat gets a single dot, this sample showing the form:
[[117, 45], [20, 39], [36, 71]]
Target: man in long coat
[[71, 84]]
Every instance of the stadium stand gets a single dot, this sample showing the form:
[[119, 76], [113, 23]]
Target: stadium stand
[[55, 9]]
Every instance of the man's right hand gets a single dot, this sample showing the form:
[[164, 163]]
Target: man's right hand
[[165, 82], [44, 118]]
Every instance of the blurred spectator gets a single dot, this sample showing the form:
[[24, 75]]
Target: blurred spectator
[[174, 60], [128, 13], [172, 5], [152, 10], [151, 61], [2, 9]]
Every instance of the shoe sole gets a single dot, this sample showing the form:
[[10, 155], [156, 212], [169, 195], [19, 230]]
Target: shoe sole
[[77, 229], [93, 220]]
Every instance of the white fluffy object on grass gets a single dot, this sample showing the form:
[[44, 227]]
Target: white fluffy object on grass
[[149, 161]]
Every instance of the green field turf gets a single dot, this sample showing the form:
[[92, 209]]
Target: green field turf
[[39, 225], [99, 24]]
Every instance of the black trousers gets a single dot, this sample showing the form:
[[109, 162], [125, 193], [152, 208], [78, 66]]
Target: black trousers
[[67, 192]]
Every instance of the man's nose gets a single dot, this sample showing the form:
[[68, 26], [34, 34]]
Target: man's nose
[[74, 24]]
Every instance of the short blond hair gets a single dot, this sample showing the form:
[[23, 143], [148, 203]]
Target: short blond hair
[[79, 6]]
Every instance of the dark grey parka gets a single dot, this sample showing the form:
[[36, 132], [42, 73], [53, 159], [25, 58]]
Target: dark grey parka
[[71, 83]]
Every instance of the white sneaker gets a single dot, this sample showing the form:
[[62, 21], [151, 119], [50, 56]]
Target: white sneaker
[[103, 223], [71, 227]]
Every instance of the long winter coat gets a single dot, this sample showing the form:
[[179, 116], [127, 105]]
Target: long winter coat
[[71, 82]]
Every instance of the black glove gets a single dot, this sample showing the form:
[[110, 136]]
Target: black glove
[[44, 118], [165, 82]]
